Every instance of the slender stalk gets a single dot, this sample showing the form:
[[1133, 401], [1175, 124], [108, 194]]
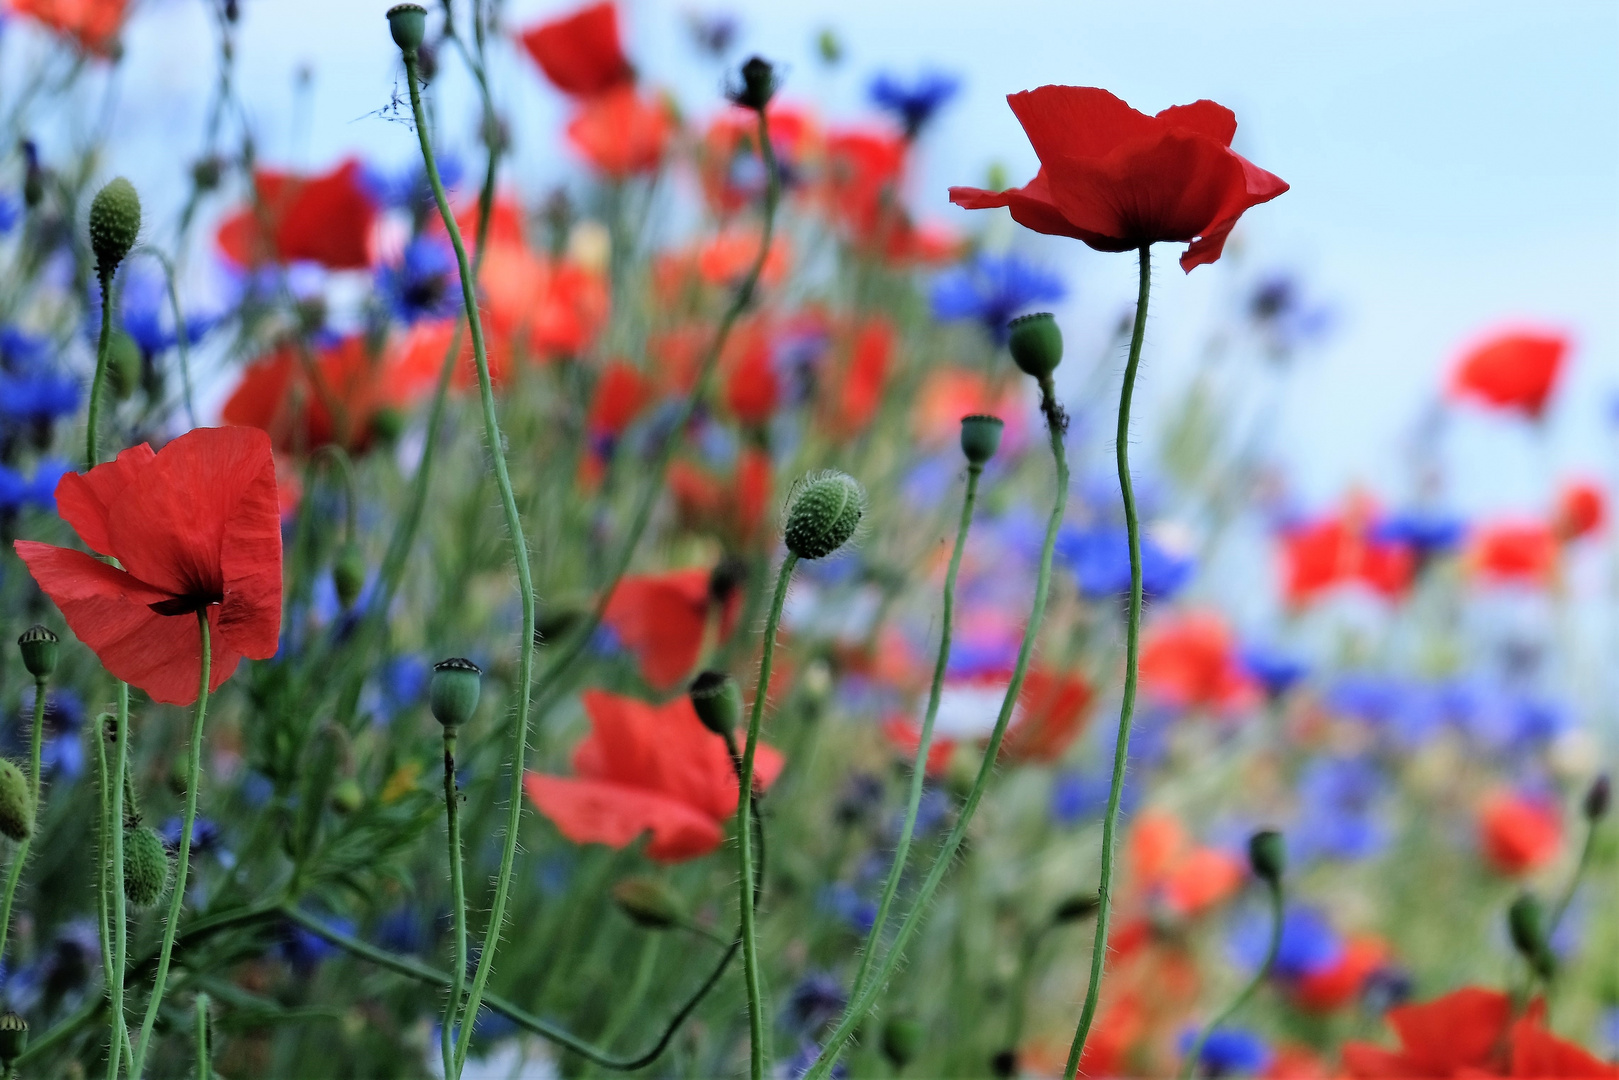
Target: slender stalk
[[514, 525], [860, 1005], [1580, 868], [177, 900], [204, 1058], [925, 742], [92, 445], [1276, 904], [760, 1052], [21, 857], [182, 339], [1132, 649], [458, 909], [120, 908]]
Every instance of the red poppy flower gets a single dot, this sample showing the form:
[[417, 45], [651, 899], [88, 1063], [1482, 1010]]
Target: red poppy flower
[[325, 219], [663, 620], [621, 393], [1051, 713], [1336, 986], [752, 390], [535, 308], [647, 768], [729, 167], [1191, 662], [1515, 552], [580, 53], [1519, 833], [1514, 370], [94, 24], [863, 378], [948, 394], [1582, 509], [906, 736], [1119, 179], [860, 186], [1119, 1027], [621, 133], [195, 526], [1202, 879], [1322, 555]]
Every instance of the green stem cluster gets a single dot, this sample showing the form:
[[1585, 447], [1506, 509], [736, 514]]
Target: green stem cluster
[[21, 858], [458, 903]]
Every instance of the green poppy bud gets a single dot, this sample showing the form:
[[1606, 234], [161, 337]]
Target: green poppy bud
[[829, 46], [980, 437], [824, 513], [758, 84], [1080, 906], [1036, 344], [1597, 798], [146, 866], [13, 1038], [453, 693], [123, 364], [1267, 855], [1526, 921], [648, 903], [408, 25], [718, 701], [115, 222], [348, 574], [16, 808], [902, 1038], [40, 649], [347, 796], [387, 424]]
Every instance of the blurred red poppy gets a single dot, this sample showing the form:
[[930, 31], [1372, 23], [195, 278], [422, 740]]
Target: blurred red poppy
[[860, 183], [647, 769], [621, 133], [663, 620], [1515, 552], [621, 393], [906, 736], [325, 219], [729, 166], [752, 389], [1322, 555], [580, 53], [1119, 179], [195, 526], [735, 507], [1582, 509], [1340, 984], [1052, 708], [94, 24], [1519, 833], [948, 394], [862, 377], [1190, 662], [1201, 879], [1514, 370]]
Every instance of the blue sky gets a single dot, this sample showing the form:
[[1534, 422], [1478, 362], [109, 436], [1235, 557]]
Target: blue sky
[[1453, 165]]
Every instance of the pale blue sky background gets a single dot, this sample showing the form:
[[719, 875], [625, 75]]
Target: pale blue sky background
[[1453, 164]]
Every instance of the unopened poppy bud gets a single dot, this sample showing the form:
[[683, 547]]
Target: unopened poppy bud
[[387, 424], [902, 1038], [824, 514], [13, 1038], [1267, 855], [348, 574], [40, 649], [1526, 920], [347, 796], [648, 903], [728, 574], [33, 183], [454, 691], [1598, 798], [980, 437], [1075, 908], [718, 701], [115, 222], [16, 808], [207, 172], [408, 25], [1036, 344], [146, 866], [758, 84], [123, 364]]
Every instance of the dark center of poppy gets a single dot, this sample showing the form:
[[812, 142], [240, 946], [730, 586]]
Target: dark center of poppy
[[185, 605]]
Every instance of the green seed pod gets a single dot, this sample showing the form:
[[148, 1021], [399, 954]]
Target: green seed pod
[[13, 1038], [16, 808], [1036, 344], [648, 903], [123, 364], [902, 1038], [1267, 855], [408, 24], [718, 701], [980, 437], [115, 222], [454, 690], [824, 513], [348, 574], [40, 649], [1077, 907], [146, 866]]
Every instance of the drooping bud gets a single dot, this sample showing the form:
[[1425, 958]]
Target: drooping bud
[[902, 1038], [454, 691], [123, 364], [824, 513], [115, 222], [408, 25], [648, 903], [718, 701], [40, 649], [1036, 344], [16, 808], [146, 866], [1267, 855], [1080, 906], [13, 1038], [1526, 921], [758, 84], [348, 574], [33, 183], [980, 437], [1597, 799]]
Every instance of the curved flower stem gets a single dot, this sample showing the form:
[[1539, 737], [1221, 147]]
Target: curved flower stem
[[21, 858], [120, 908], [925, 742], [351, 488], [92, 445], [183, 867], [1132, 648], [204, 1058], [862, 1004], [1276, 904], [1573, 886], [760, 1052], [182, 338], [514, 525], [458, 909]]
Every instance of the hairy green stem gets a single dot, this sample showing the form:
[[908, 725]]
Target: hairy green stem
[[458, 909], [21, 858], [1132, 649], [1276, 919], [120, 907], [204, 1058], [92, 445], [183, 862]]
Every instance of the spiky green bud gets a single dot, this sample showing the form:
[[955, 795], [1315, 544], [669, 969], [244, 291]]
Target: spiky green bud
[[824, 513], [146, 866], [115, 223], [980, 437], [40, 649], [454, 691], [16, 808], [1036, 344]]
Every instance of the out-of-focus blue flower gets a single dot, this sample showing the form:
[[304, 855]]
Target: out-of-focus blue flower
[[980, 655], [306, 950], [424, 284], [62, 969], [1339, 810], [402, 931], [843, 901], [803, 1059], [1283, 315], [1309, 943], [930, 479], [913, 103], [1100, 558], [30, 391], [400, 683], [146, 313], [713, 32], [10, 211], [1276, 671], [994, 289], [1407, 713], [407, 189], [1080, 796], [206, 835], [1229, 1051], [1426, 532], [816, 1001], [18, 492]]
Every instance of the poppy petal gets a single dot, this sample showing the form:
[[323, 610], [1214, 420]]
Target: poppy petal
[[1078, 121], [83, 499], [601, 812], [1203, 117]]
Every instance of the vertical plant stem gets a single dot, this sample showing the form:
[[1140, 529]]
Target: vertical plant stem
[[182, 869], [525, 578], [458, 908], [1276, 916], [1132, 648], [204, 1056], [760, 1053], [925, 742], [92, 445], [120, 907], [21, 857]]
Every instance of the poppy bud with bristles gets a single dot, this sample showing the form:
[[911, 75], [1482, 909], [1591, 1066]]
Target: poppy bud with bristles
[[718, 702], [115, 222], [40, 649], [1036, 344], [16, 808], [980, 437], [824, 513], [453, 693], [1267, 855], [648, 903], [408, 25], [146, 866], [13, 1038], [1597, 799]]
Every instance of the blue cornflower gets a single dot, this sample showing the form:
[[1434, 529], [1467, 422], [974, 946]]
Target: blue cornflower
[[401, 931], [841, 899], [10, 212], [30, 391], [424, 283], [206, 834], [1276, 671], [1282, 314], [400, 684], [1100, 557], [1228, 1051], [1309, 943], [913, 103], [994, 289], [1080, 796], [306, 950], [1339, 814], [39, 491], [815, 1002], [408, 188], [1407, 713], [1426, 532]]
